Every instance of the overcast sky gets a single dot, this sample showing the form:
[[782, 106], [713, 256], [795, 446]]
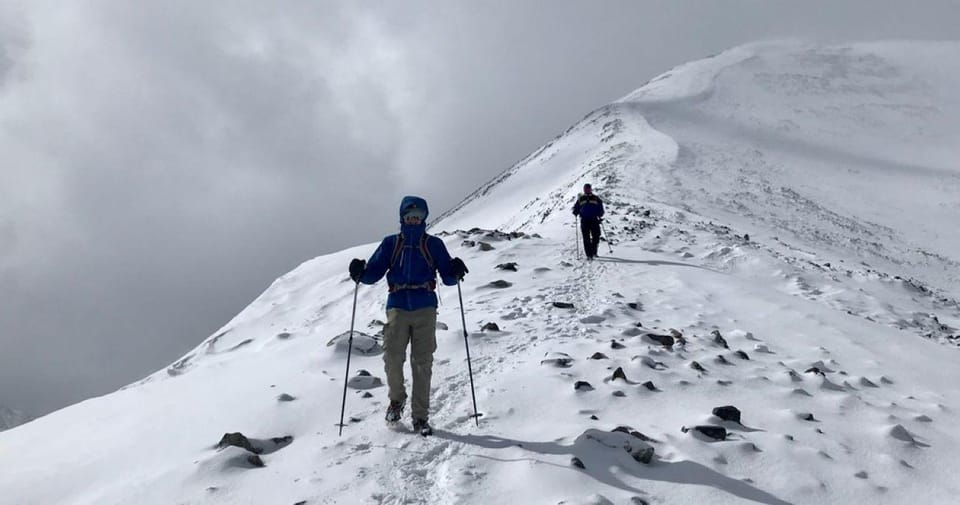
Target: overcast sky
[[161, 162]]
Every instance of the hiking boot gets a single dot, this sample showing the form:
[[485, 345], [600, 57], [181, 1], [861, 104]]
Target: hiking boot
[[422, 427], [394, 411]]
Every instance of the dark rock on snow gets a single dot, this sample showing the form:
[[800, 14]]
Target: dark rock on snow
[[598, 355], [664, 340], [582, 386], [491, 326], [616, 345], [511, 266], [619, 374], [714, 432], [499, 284], [727, 413], [563, 305], [718, 339]]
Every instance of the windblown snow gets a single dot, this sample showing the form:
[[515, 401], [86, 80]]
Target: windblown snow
[[781, 240]]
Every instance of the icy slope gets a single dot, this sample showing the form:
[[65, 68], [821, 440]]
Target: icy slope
[[843, 398]]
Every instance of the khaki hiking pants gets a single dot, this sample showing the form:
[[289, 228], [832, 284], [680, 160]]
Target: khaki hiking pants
[[419, 329]]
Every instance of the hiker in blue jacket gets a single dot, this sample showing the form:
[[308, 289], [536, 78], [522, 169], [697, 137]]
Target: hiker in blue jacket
[[411, 261], [589, 208]]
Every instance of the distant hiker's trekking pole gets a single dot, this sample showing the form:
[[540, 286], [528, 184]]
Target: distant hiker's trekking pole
[[463, 318], [576, 234], [610, 247], [346, 377]]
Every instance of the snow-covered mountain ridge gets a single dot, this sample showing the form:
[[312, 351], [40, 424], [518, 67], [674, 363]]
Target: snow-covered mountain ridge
[[779, 217]]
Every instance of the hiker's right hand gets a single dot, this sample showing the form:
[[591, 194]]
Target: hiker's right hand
[[357, 266]]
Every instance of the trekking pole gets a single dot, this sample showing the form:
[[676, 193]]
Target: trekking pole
[[610, 247], [576, 231], [346, 378], [463, 318]]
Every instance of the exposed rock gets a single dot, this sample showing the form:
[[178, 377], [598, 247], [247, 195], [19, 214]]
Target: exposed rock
[[635, 305], [865, 382], [630, 431], [794, 376], [616, 345], [727, 413], [511, 266], [499, 284], [483, 246], [721, 360], [639, 450], [366, 394], [468, 243], [714, 432], [697, 366], [491, 326], [619, 374], [922, 418], [649, 385], [664, 340], [283, 336], [861, 474], [557, 359], [363, 380], [807, 416], [900, 433], [237, 439], [598, 355], [575, 461], [761, 348], [377, 322], [442, 326], [582, 386], [718, 339], [363, 343], [619, 394], [742, 355], [815, 370], [256, 461], [563, 305], [286, 398], [651, 363]]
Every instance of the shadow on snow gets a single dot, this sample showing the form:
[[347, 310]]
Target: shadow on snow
[[598, 465]]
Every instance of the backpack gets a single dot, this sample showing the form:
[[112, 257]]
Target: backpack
[[398, 248]]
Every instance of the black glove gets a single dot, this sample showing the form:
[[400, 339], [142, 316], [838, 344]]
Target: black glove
[[458, 269], [357, 266]]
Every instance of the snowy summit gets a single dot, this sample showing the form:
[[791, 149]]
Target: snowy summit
[[772, 319]]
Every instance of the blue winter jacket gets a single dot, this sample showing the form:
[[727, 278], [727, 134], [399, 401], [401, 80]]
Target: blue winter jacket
[[410, 276], [588, 207]]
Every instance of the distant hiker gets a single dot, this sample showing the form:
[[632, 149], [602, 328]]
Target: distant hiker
[[410, 260], [589, 208]]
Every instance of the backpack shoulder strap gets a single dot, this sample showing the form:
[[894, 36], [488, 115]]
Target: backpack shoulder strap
[[397, 247], [425, 251]]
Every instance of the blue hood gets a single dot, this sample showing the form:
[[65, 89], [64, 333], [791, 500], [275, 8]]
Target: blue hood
[[416, 202], [412, 233]]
